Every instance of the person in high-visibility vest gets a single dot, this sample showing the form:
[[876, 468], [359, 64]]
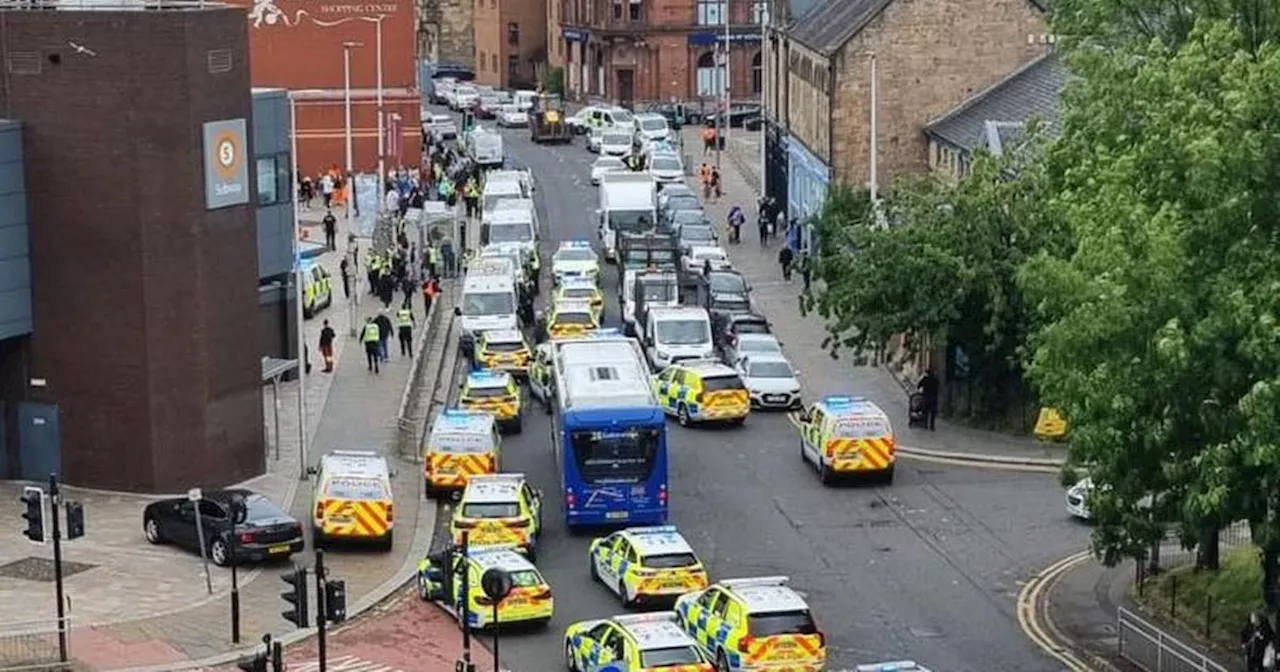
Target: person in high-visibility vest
[[370, 336], [404, 322]]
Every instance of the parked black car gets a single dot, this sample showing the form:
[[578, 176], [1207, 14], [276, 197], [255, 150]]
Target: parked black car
[[677, 203], [692, 114], [265, 530]]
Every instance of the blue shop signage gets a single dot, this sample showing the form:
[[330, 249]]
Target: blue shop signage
[[807, 180], [574, 34], [707, 38]]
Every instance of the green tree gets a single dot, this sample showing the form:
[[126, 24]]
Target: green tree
[[1114, 24]]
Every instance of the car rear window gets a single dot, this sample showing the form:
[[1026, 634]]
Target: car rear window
[[487, 392], [258, 507], [670, 657], [781, 623], [491, 510], [525, 578], [355, 489], [506, 347], [582, 319], [670, 560], [717, 383]]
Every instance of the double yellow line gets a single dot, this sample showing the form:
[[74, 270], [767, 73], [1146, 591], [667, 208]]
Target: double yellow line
[[1032, 608]]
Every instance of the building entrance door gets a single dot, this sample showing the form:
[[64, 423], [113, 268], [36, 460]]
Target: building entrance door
[[626, 87], [39, 441]]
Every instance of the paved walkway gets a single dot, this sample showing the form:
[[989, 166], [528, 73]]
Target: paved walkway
[[137, 605], [802, 336]]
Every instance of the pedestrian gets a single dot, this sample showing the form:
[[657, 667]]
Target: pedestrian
[[330, 230], [785, 256], [764, 232], [326, 190], [805, 266], [433, 261], [430, 287], [370, 337], [345, 269], [708, 138], [405, 322], [326, 346], [384, 335], [448, 258], [715, 184], [928, 389], [306, 192], [736, 219], [471, 197], [1259, 645], [704, 177]]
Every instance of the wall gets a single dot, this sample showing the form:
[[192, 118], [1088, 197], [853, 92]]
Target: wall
[[557, 50], [490, 55], [457, 42], [273, 178], [15, 255], [322, 129], [931, 56], [531, 45], [808, 100], [165, 392]]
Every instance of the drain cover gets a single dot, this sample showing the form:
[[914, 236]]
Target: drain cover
[[40, 569]]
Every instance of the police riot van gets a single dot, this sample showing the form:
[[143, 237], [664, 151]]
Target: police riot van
[[489, 300]]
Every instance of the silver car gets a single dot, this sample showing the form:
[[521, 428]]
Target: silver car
[[746, 345], [770, 381]]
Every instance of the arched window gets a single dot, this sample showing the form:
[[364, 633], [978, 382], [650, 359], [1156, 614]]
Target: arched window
[[757, 74], [710, 76]]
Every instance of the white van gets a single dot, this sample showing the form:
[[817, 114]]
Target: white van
[[489, 300], [675, 334]]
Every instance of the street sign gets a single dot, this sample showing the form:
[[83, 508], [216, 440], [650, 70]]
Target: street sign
[[195, 495]]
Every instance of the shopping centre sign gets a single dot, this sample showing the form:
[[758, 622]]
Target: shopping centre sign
[[293, 13]]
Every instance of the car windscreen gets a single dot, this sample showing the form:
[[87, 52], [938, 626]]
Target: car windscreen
[[456, 442], [671, 656], [615, 457], [258, 507], [730, 303], [727, 283], [861, 429], [361, 489], [616, 139], [504, 347], [580, 319], [747, 327], [491, 510], [683, 218], [516, 232], [769, 624], [756, 344], [659, 291], [697, 234], [479, 304], [669, 560], [580, 293], [682, 202], [653, 124], [677, 190], [665, 164], [716, 383], [683, 332], [582, 254], [770, 370], [631, 221], [487, 392]]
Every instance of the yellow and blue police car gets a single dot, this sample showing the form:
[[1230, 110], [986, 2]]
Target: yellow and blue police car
[[317, 288], [571, 319], [580, 289], [753, 624], [502, 350], [647, 564], [575, 259], [493, 392], [633, 642], [530, 600], [498, 509], [845, 436], [702, 390]]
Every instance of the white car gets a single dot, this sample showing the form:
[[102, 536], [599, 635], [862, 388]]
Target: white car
[[1078, 499], [594, 135], [525, 98], [614, 142], [698, 258], [464, 96], [575, 259], [746, 345], [771, 381], [651, 128], [580, 121], [606, 164], [511, 116], [440, 127], [666, 168]]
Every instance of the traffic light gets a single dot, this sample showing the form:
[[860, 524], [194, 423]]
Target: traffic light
[[257, 663], [296, 596], [34, 515], [75, 520], [335, 601]]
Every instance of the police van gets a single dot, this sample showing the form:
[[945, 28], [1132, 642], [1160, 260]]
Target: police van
[[461, 444], [489, 300], [352, 499]]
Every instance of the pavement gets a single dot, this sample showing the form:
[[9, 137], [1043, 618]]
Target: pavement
[[928, 568], [135, 606]]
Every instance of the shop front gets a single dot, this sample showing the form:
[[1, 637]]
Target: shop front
[[807, 180], [575, 67]]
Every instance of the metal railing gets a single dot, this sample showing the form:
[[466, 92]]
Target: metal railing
[[1150, 648], [32, 645]]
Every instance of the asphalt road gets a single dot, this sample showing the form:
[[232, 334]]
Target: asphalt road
[[925, 569]]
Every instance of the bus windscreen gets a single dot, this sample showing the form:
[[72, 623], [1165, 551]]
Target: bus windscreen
[[622, 457]]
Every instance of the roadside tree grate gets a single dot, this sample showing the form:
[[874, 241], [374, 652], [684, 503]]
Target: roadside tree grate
[[40, 569]]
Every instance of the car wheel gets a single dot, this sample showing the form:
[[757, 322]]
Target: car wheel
[[825, 474], [627, 602], [682, 414], [388, 541], [317, 538], [886, 476], [218, 553], [151, 529], [568, 658], [595, 574], [722, 662]]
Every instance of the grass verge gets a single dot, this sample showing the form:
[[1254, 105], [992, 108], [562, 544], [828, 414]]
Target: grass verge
[[1211, 607]]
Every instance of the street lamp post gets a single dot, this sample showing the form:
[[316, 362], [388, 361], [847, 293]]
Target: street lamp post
[[873, 179], [382, 121], [346, 97], [297, 294]]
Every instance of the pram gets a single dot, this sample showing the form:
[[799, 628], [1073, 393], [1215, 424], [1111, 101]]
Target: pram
[[917, 413]]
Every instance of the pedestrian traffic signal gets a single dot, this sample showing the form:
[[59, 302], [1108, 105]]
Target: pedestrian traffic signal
[[34, 515], [75, 520], [296, 596], [335, 601], [257, 663]]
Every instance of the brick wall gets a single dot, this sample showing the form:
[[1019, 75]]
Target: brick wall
[[531, 47], [457, 40], [322, 131], [931, 55], [808, 104], [556, 47], [490, 42]]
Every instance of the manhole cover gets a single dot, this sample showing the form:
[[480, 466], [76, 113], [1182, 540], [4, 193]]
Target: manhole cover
[[40, 569]]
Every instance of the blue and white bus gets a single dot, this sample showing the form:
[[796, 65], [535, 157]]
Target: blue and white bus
[[611, 434]]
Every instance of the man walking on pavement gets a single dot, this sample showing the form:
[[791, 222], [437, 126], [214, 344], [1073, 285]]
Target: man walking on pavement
[[384, 334], [330, 230], [805, 266], [471, 197], [326, 346], [345, 269], [928, 388], [785, 256], [371, 338], [405, 322]]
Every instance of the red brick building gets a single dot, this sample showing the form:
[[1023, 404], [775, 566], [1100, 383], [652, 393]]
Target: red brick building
[[298, 45], [635, 51]]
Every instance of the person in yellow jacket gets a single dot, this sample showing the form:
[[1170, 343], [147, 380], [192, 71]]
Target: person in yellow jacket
[[404, 324], [371, 335]]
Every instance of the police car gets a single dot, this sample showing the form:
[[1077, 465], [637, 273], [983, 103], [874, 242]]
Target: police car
[[643, 564], [575, 259], [493, 392], [440, 580], [578, 288], [753, 624], [498, 509], [631, 643]]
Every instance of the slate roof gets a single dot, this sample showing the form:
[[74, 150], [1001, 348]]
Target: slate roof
[[996, 117], [829, 25]]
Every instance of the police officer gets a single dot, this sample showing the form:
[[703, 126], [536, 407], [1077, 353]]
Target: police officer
[[371, 336], [526, 312], [471, 196], [540, 372], [405, 322]]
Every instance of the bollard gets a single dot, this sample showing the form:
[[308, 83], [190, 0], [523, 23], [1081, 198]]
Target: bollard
[[1140, 580], [1208, 616], [1173, 596]]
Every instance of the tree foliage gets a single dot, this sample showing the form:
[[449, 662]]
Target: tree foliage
[[940, 266]]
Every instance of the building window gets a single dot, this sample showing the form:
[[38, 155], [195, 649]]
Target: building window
[[710, 76], [633, 11], [760, 12], [483, 59], [493, 58], [513, 34], [711, 13], [268, 188], [617, 10], [513, 68], [757, 74]]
